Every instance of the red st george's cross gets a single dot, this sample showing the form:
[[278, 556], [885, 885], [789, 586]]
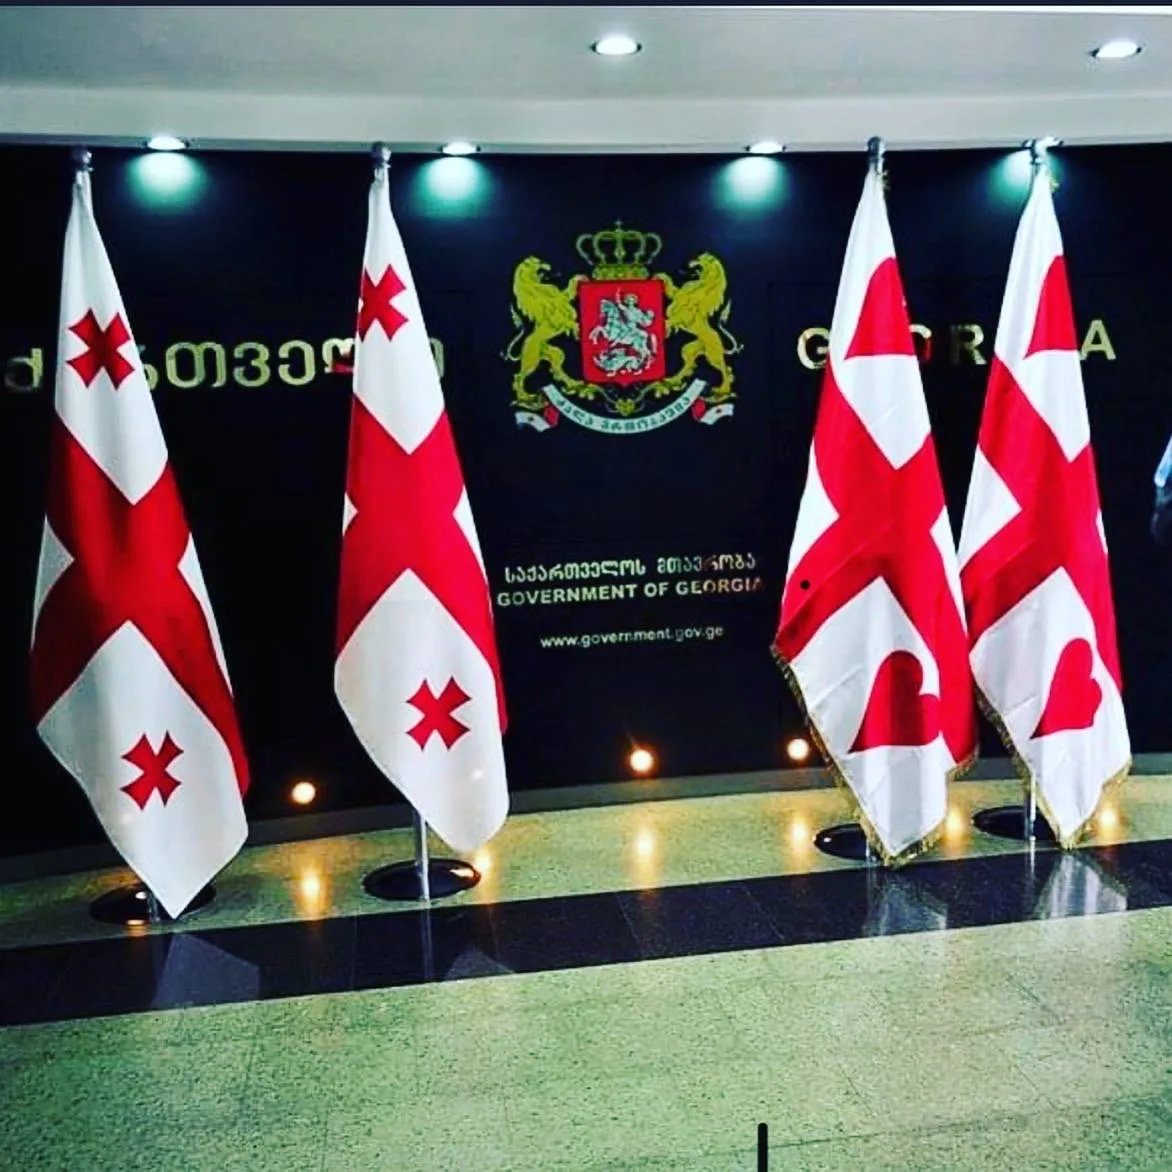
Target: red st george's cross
[[883, 530], [1057, 526], [405, 519], [125, 569]]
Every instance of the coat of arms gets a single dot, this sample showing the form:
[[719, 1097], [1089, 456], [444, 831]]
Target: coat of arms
[[621, 350]]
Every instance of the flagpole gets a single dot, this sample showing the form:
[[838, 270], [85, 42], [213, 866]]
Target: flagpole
[[1022, 822], [422, 863], [849, 840]]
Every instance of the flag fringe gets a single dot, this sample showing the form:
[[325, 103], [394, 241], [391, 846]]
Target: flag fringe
[[1026, 775], [894, 861]]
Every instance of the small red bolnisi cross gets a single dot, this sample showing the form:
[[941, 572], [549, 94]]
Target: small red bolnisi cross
[[438, 717], [377, 303], [103, 349], [153, 766]]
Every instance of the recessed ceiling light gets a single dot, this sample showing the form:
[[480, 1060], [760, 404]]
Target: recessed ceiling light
[[616, 45], [767, 146], [459, 147], [166, 142], [1118, 50]]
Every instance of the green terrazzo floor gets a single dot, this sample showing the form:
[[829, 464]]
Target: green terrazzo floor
[[1037, 1046]]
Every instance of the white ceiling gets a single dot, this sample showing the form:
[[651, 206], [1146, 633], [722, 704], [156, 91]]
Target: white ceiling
[[523, 78]]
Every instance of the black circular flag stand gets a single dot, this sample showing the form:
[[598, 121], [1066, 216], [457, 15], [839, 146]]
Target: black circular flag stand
[[1021, 823], [135, 905], [848, 841], [423, 878]]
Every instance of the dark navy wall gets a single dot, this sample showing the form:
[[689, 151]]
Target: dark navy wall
[[265, 249]]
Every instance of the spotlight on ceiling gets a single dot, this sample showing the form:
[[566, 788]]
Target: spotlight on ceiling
[[616, 45], [459, 147], [1118, 50], [166, 142], [641, 761], [767, 146], [797, 749]]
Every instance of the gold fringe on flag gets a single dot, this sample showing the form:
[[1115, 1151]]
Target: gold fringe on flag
[[1022, 768], [923, 845]]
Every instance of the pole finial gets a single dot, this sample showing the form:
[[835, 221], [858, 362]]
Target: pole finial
[[876, 153], [380, 155], [82, 159], [1039, 149]]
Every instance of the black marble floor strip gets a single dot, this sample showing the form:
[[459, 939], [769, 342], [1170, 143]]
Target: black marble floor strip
[[382, 950]]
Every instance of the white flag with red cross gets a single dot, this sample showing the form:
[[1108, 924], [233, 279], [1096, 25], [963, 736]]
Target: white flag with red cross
[[417, 672], [129, 687], [872, 634], [1034, 568]]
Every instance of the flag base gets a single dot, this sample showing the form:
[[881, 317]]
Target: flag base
[[401, 881], [1013, 822], [132, 905], [848, 841]]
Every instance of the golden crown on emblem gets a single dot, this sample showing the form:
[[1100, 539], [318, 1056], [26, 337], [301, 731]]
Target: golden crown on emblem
[[617, 253]]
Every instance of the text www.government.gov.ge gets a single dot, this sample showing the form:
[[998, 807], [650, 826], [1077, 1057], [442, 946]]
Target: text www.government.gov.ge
[[608, 638]]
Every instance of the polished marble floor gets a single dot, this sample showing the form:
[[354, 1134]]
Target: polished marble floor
[[632, 987]]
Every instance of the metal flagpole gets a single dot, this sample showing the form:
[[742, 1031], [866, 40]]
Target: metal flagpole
[[849, 841], [1022, 822], [423, 872], [422, 863]]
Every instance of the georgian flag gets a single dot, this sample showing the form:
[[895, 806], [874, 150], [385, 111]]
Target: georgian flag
[[1037, 585], [416, 672], [129, 687], [872, 634]]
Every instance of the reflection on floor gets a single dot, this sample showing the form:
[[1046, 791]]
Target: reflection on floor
[[631, 988], [609, 848]]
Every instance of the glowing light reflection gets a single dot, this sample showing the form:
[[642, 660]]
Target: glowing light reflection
[[311, 893]]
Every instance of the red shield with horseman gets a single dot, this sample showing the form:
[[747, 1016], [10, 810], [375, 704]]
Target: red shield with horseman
[[621, 327]]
